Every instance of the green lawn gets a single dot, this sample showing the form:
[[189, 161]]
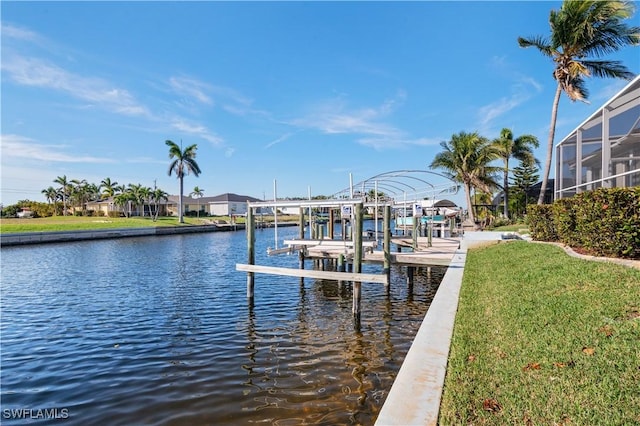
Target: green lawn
[[542, 338], [77, 223], [71, 223], [517, 227]]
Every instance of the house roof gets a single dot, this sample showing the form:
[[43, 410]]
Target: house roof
[[230, 197]]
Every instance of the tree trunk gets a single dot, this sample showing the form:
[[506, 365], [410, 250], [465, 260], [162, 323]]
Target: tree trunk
[[552, 132], [467, 192], [505, 188], [180, 217]]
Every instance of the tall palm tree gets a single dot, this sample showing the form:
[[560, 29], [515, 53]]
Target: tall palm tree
[[107, 187], [520, 148], [466, 159], [197, 193], [183, 161], [581, 32], [65, 189]]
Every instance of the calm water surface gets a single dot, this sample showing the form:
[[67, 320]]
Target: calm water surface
[[159, 331]]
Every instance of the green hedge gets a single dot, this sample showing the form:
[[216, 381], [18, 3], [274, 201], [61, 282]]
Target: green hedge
[[540, 221], [604, 222]]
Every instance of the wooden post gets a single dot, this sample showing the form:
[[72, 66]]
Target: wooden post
[[410, 272], [386, 243], [357, 258], [251, 250], [301, 236], [331, 224], [414, 233]]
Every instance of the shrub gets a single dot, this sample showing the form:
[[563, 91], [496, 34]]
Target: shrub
[[603, 222], [540, 222], [564, 220], [609, 221]]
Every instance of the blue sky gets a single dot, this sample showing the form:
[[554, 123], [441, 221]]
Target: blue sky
[[299, 92]]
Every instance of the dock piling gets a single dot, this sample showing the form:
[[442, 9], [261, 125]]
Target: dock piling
[[251, 250]]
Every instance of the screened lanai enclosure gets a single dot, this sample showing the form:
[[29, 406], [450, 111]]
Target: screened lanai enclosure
[[604, 151]]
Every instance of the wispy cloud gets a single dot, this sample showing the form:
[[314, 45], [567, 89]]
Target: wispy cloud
[[334, 117], [369, 124], [21, 147], [277, 141], [381, 144], [196, 129], [14, 32], [521, 91], [193, 88], [39, 73]]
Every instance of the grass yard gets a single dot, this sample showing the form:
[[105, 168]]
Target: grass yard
[[78, 223], [517, 227], [73, 223], [544, 338]]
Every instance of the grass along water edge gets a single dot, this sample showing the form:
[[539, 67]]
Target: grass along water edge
[[544, 338]]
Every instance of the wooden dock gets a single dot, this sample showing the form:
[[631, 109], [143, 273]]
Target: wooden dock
[[345, 257]]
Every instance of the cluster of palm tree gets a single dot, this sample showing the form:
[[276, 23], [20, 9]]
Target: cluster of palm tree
[[77, 193], [132, 197], [469, 158], [582, 31]]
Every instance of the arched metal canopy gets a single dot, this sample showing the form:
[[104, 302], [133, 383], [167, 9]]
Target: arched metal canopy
[[400, 185]]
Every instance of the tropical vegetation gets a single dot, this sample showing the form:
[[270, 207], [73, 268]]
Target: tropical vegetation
[[508, 147], [183, 161], [466, 158], [582, 31], [197, 193]]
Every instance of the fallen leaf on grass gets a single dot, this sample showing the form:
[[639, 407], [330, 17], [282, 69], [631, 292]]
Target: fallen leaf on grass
[[588, 351], [633, 314], [531, 366], [559, 364], [607, 330], [471, 358], [491, 405]]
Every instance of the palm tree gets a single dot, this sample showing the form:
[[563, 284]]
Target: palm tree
[[158, 195], [581, 31], [197, 193], [52, 195], [520, 148], [183, 161], [108, 188], [124, 199], [79, 192], [466, 159], [65, 187]]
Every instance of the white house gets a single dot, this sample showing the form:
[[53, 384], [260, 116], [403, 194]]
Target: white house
[[227, 204]]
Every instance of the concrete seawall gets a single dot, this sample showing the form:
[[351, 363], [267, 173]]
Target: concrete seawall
[[25, 238]]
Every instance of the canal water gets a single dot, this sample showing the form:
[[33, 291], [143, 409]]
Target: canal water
[[158, 330]]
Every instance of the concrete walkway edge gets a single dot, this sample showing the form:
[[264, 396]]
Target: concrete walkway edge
[[415, 396]]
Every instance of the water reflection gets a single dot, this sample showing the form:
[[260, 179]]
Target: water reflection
[[159, 331]]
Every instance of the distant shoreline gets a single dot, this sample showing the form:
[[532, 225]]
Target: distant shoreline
[[30, 238]]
